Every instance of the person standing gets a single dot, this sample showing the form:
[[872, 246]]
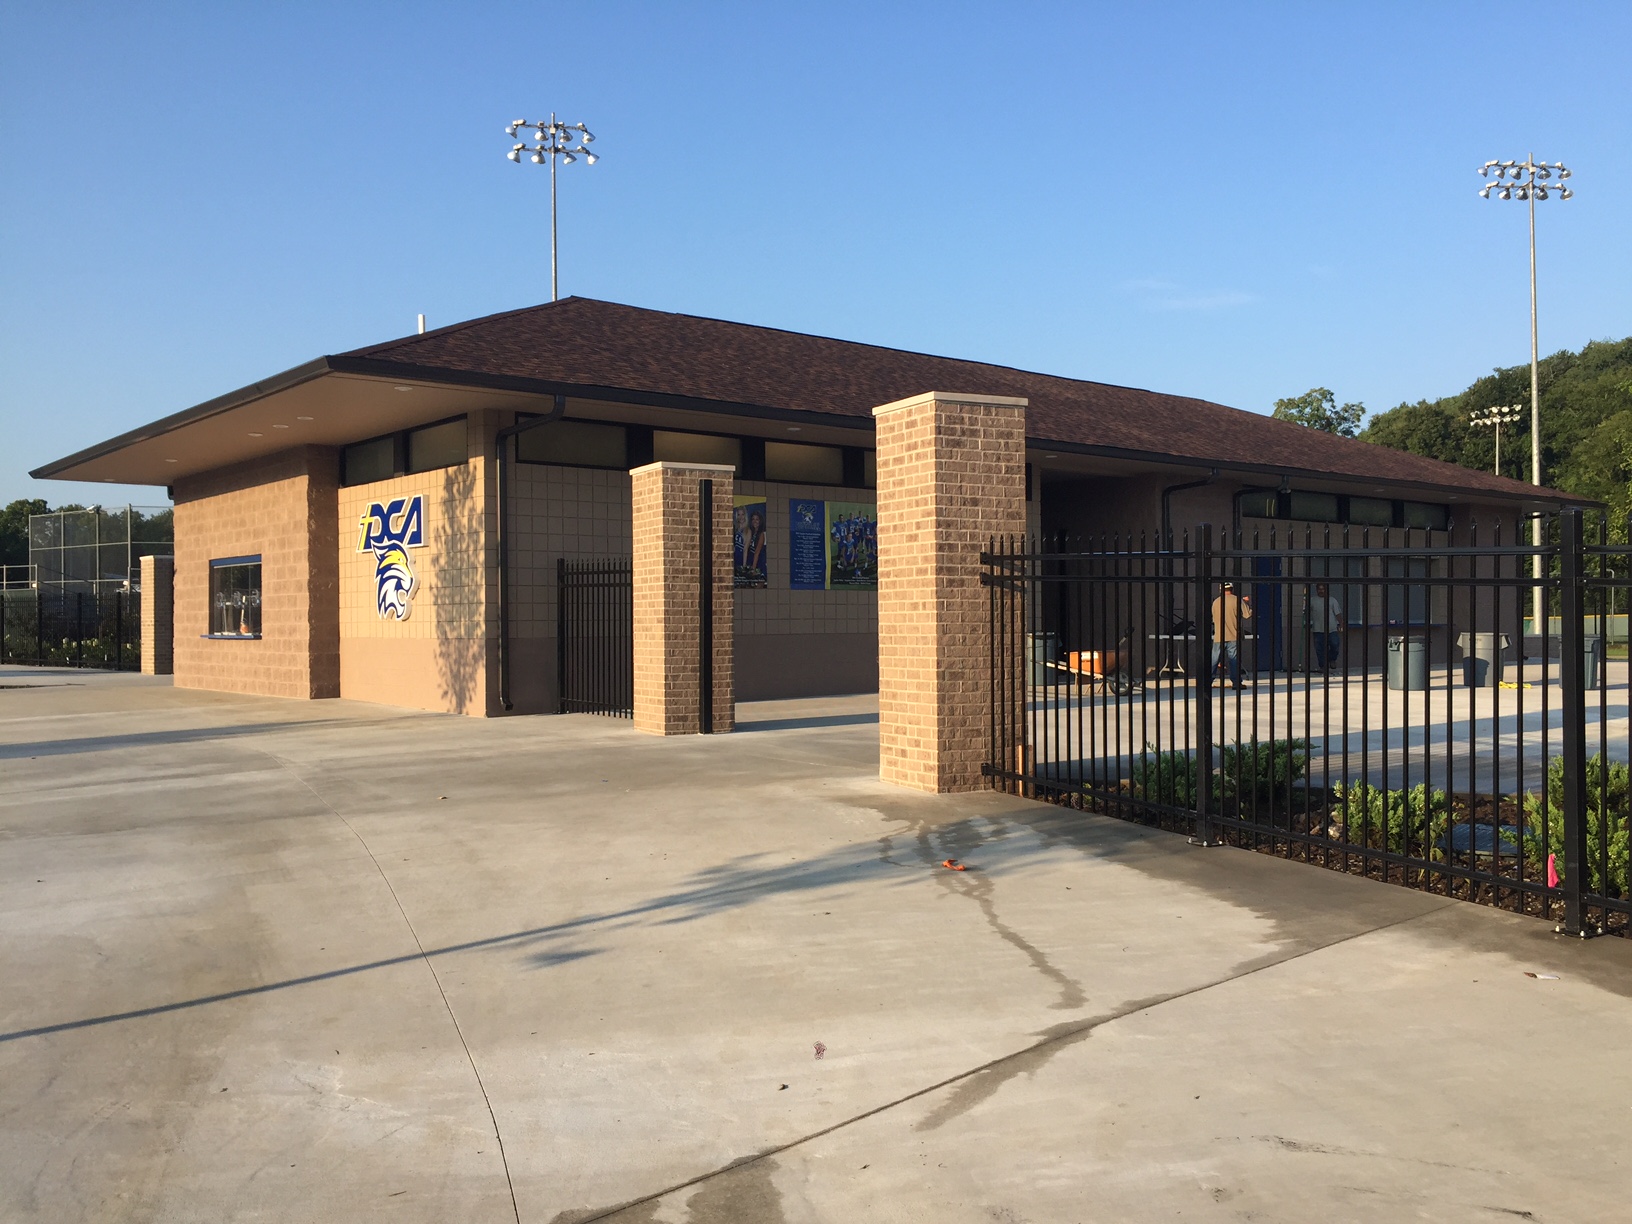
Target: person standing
[[1325, 626], [1229, 610]]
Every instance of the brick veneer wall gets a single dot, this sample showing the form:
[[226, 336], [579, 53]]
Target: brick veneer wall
[[951, 474], [668, 623], [443, 656], [158, 577], [281, 508]]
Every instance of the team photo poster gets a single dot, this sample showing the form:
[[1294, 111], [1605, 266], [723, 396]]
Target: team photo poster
[[748, 542], [832, 545]]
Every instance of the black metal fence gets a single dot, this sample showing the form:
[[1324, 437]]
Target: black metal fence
[[71, 629], [1368, 700], [594, 636]]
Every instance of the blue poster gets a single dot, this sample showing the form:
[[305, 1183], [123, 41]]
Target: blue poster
[[807, 545]]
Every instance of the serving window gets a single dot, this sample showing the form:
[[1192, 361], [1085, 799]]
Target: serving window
[[235, 597]]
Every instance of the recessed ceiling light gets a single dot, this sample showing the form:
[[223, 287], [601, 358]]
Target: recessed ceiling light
[[303, 418], [280, 427], [108, 480], [253, 434], [1050, 456], [793, 429], [402, 388], [172, 461]]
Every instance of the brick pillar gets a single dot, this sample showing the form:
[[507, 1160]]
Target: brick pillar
[[668, 603], [158, 579], [951, 474]]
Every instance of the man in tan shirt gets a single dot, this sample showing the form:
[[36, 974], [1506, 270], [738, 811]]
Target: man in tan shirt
[[1229, 610]]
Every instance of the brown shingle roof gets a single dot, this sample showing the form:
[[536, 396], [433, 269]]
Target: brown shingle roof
[[588, 342]]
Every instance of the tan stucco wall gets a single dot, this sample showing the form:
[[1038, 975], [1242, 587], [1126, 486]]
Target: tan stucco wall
[[788, 643], [282, 509], [442, 657]]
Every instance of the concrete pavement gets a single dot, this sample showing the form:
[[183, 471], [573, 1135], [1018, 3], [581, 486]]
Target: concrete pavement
[[291, 961]]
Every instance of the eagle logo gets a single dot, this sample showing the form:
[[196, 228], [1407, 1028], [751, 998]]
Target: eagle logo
[[388, 531]]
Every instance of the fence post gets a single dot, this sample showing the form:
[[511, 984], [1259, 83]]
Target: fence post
[[560, 635], [118, 630], [39, 626], [79, 628], [1572, 674], [1202, 671]]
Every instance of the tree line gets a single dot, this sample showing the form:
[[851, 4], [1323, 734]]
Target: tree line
[[1586, 423]]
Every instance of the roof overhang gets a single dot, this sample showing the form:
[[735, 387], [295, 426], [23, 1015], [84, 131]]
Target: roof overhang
[[337, 400], [1070, 460], [334, 401]]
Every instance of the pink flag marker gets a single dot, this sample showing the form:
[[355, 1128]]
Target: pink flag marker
[[1552, 871]]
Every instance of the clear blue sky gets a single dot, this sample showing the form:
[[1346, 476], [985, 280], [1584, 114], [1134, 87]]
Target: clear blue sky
[[1231, 201]]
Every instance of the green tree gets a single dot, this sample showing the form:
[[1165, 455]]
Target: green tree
[[1317, 408], [1583, 395], [14, 529]]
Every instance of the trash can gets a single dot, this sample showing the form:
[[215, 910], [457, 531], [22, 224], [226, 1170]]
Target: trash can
[[1408, 663], [1041, 650], [1482, 658], [1592, 656]]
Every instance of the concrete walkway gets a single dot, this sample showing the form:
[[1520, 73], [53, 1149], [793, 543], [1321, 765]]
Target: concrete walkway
[[282, 961]]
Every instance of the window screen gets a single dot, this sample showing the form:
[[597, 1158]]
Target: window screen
[[798, 463], [1371, 511], [576, 444], [1314, 507], [1425, 515], [437, 446], [235, 597], [695, 448], [369, 461], [1260, 503]]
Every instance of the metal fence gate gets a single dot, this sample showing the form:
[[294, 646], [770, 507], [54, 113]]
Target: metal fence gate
[[594, 636], [1376, 702], [97, 628]]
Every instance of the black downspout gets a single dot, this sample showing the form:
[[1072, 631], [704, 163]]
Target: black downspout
[[1167, 500], [1166, 543], [503, 438]]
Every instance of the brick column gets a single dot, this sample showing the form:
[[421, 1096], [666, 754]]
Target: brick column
[[668, 597], [951, 474], [158, 579]]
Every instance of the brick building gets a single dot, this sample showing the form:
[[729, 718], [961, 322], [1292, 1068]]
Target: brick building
[[347, 528]]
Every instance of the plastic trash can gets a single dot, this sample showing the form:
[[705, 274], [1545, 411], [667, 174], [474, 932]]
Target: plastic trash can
[[1408, 663], [1482, 658], [1041, 650], [1592, 656]]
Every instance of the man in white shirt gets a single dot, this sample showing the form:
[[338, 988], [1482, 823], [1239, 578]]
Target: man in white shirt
[[1325, 626]]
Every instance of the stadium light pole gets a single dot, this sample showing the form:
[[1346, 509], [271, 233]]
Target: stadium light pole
[[1499, 415], [553, 140], [1530, 180]]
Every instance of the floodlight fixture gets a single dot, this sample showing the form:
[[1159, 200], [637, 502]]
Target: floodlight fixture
[[554, 139], [1528, 181], [1495, 417]]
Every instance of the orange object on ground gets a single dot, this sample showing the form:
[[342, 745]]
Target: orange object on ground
[[954, 865]]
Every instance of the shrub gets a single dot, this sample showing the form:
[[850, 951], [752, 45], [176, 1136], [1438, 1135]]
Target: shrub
[[1249, 774], [1254, 774], [1410, 822], [1166, 777], [1607, 809]]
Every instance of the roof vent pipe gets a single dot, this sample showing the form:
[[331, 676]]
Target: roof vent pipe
[[422, 325]]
